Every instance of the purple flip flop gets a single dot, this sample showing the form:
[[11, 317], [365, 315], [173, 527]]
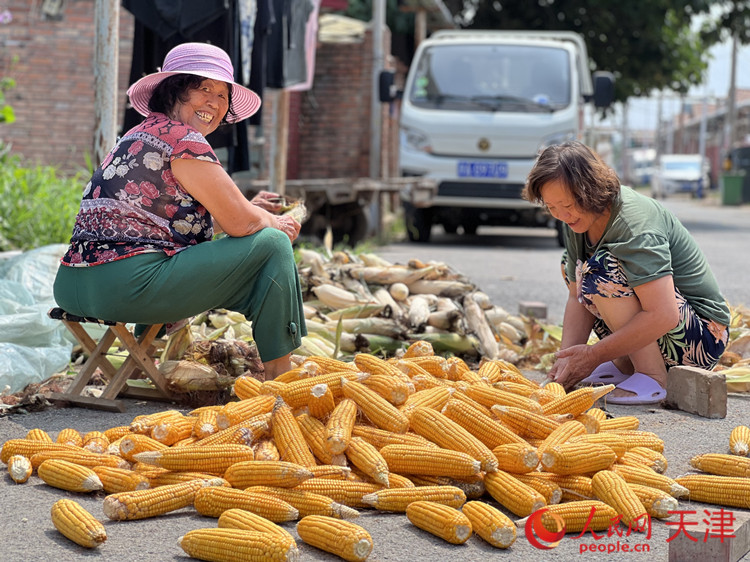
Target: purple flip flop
[[606, 373], [646, 389]]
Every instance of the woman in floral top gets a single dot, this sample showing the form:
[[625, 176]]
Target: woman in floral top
[[635, 276], [142, 249]]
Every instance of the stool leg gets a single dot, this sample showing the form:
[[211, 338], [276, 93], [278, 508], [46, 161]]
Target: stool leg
[[97, 358], [89, 346]]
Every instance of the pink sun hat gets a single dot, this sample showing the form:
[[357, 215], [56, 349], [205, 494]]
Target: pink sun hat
[[200, 59]]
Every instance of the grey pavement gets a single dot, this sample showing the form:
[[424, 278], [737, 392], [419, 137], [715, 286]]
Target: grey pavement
[[509, 266]]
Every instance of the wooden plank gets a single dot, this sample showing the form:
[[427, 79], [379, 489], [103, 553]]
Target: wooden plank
[[89, 402]]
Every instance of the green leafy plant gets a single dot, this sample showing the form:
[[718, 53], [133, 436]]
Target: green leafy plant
[[38, 205]]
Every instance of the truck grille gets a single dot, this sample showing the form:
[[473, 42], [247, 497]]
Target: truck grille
[[479, 189]]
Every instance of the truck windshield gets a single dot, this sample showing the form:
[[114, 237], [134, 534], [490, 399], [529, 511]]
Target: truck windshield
[[515, 78]]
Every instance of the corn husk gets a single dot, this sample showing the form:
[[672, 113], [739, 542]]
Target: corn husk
[[191, 376], [453, 289], [478, 325]]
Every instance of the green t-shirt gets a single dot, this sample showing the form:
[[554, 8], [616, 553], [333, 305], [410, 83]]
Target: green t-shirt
[[650, 243]]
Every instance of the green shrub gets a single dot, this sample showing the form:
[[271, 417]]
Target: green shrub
[[38, 205]]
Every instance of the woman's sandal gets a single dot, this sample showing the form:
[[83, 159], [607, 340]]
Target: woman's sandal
[[606, 373], [646, 389]]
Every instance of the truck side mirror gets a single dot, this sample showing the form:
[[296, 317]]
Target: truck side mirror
[[387, 91], [604, 88]]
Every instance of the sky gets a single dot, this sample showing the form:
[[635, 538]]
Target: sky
[[643, 112]]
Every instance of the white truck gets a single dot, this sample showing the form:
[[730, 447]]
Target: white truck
[[477, 108]]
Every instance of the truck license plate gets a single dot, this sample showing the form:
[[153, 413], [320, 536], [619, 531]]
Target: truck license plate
[[469, 169]]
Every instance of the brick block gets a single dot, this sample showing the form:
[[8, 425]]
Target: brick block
[[697, 391], [533, 309], [711, 546]]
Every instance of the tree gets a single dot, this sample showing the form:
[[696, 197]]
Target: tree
[[646, 44]]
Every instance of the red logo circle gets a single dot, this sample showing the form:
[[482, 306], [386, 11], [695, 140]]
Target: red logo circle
[[535, 530]]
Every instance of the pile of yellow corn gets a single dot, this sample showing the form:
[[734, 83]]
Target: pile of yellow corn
[[419, 434]]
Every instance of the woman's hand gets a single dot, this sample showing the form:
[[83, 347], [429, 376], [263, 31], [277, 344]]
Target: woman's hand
[[288, 226], [271, 202], [573, 364]]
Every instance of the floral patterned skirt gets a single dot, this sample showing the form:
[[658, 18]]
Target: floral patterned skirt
[[695, 341]]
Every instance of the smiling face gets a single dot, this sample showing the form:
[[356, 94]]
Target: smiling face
[[562, 205], [205, 106]]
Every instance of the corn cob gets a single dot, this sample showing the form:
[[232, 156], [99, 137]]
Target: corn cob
[[69, 436], [440, 520], [577, 458], [37, 434], [597, 413], [246, 387], [436, 427], [69, 476], [331, 472], [19, 468], [512, 494], [730, 491], [368, 459], [246, 433], [213, 459], [435, 398], [77, 524], [491, 524], [339, 426], [427, 382], [266, 450], [308, 503], [141, 504], [206, 424], [630, 423], [593, 515], [143, 424], [611, 440], [229, 545], [96, 442], [433, 365], [647, 477], [131, 445], [394, 389], [541, 395], [419, 348], [117, 432], [234, 413], [288, 437], [396, 499], [461, 396], [399, 481], [549, 490], [328, 365], [656, 502], [321, 402], [561, 434], [306, 370], [612, 489], [29, 447], [644, 456], [525, 423], [485, 428], [342, 538], [249, 521], [380, 438], [377, 409], [314, 433], [574, 487], [517, 458], [266, 473], [120, 480], [577, 401], [638, 438], [589, 422], [345, 492], [213, 501], [172, 430], [721, 464], [430, 461], [556, 389], [739, 438], [167, 477], [79, 456], [489, 397]]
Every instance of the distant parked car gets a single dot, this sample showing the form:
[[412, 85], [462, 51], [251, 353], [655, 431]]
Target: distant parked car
[[681, 173]]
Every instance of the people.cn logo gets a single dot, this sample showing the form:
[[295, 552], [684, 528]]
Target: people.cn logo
[[540, 537]]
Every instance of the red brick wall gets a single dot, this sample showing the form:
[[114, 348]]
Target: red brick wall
[[54, 93]]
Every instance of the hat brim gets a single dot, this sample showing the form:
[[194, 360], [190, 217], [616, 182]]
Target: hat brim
[[245, 102]]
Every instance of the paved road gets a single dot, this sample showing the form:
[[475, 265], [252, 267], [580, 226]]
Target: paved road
[[510, 266]]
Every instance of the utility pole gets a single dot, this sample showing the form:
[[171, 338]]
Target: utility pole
[[106, 53], [378, 23], [625, 145], [732, 107]]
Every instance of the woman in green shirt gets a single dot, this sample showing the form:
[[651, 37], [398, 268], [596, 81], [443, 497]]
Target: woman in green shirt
[[635, 276]]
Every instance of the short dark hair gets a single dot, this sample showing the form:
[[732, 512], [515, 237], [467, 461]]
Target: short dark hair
[[175, 88], [593, 184]]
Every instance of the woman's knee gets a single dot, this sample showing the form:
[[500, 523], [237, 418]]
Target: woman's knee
[[271, 242]]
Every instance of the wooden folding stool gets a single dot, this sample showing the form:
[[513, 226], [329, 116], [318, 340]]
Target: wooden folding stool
[[139, 360]]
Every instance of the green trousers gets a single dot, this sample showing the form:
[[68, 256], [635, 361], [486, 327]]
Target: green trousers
[[255, 275]]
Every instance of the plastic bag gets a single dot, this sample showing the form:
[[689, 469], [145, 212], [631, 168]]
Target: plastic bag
[[33, 347]]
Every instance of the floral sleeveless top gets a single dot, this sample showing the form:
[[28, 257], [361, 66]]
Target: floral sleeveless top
[[133, 204]]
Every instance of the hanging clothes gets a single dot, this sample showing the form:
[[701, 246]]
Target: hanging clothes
[[286, 46], [311, 44]]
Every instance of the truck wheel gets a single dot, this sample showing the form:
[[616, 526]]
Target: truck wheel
[[418, 223]]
